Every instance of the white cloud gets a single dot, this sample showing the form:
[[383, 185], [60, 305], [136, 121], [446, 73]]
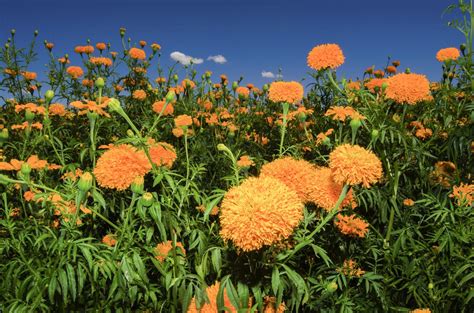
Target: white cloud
[[184, 59], [217, 58], [267, 74]]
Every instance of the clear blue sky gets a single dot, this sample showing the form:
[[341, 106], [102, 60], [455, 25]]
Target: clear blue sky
[[253, 36]]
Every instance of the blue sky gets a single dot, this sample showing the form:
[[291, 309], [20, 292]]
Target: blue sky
[[253, 36]]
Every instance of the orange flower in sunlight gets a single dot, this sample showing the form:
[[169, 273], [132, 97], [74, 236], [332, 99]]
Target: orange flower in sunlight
[[162, 153], [340, 113], [464, 194], [187, 83], [354, 165], [211, 306], [243, 91], [245, 161], [260, 212], [88, 49], [162, 250], [100, 46], [29, 75], [350, 268], [291, 92], [101, 61], [408, 88], [420, 311], [91, 106], [447, 54], [75, 71], [408, 202], [119, 166], [295, 174], [15, 165], [137, 54], [351, 225], [183, 120], [325, 192], [110, 240], [270, 306], [139, 94], [325, 56], [375, 84], [57, 109], [159, 107]]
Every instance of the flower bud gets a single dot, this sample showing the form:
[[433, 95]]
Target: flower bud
[[331, 287], [208, 74], [29, 116], [235, 85], [100, 83], [138, 185], [48, 95], [374, 134], [355, 124], [147, 199], [222, 147], [170, 96], [130, 133], [462, 47], [265, 87], [430, 286], [25, 169], [407, 70], [4, 134], [13, 31], [36, 33], [85, 182], [175, 78], [114, 105], [302, 117]]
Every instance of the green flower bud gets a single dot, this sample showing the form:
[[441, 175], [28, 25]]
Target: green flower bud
[[170, 96], [208, 74], [85, 182], [100, 83], [130, 133], [331, 287], [25, 169], [4, 134], [13, 31], [36, 33], [462, 47], [147, 199], [175, 78], [430, 286], [29, 116], [235, 85], [138, 185], [265, 87], [48, 95], [374, 134], [222, 147], [407, 70], [92, 115], [114, 105], [355, 124]]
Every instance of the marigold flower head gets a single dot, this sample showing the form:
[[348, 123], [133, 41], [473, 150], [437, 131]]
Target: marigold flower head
[[187, 83], [101, 61], [340, 113], [110, 240], [101, 46], [162, 153], [245, 161], [270, 306], [391, 69], [351, 225], [354, 165], [29, 75], [325, 56], [211, 306], [408, 202], [88, 49], [464, 194], [375, 84], [163, 249], [324, 191], [242, 91], [291, 92], [260, 212], [75, 71], [91, 106], [408, 88], [420, 311], [295, 174], [350, 268], [159, 107], [447, 54], [136, 53], [57, 109], [119, 166], [33, 161], [139, 94], [183, 120]]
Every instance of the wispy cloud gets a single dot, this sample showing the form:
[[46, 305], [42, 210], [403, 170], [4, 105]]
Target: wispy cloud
[[217, 58], [184, 59], [267, 74]]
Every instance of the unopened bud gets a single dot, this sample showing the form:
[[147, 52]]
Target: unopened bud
[[29, 116], [4, 134], [407, 70], [170, 96], [222, 147], [265, 87], [331, 287], [235, 85], [114, 105], [374, 134], [147, 199], [85, 182], [48, 95], [175, 78], [138, 185], [100, 83], [25, 169], [130, 133]]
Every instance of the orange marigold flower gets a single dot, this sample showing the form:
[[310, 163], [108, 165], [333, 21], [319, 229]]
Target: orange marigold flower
[[187, 83], [75, 71], [353, 85], [31, 107], [354, 165], [260, 212], [15, 165], [119, 166], [79, 49], [295, 174], [325, 192], [163, 249], [211, 305], [423, 133], [447, 54], [340, 113], [88, 49], [350, 268], [270, 306], [464, 194], [375, 84], [26, 125], [183, 120], [351, 225], [57, 109], [139, 94], [91, 106], [64, 60], [245, 161], [291, 92], [160, 108], [408, 202], [110, 240], [136, 53], [101, 61], [421, 311], [325, 56], [162, 153], [243, 91], [322, 137], [408, 88], [391, 69], [155, 47], [29, 75], [160, 80], [100, 46]]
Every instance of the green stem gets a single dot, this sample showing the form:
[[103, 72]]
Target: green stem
[[286, 107], [331, 79]]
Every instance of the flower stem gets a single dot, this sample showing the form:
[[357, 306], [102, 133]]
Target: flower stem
[[286, 107]]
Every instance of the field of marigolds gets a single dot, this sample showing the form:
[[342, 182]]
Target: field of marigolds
[[140, 191]]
